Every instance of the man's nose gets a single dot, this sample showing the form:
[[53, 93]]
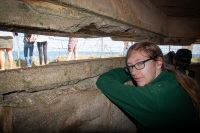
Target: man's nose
[[134, 71]]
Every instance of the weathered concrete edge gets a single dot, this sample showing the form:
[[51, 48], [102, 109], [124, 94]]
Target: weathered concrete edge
[[55, 74]]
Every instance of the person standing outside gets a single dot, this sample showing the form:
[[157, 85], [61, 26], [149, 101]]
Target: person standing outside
[[126, 47], [161, 101], [6, 43], [72, 47], [42, 42], [29, 41]]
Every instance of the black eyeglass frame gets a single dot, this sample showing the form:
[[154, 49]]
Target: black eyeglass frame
[[143, 62]]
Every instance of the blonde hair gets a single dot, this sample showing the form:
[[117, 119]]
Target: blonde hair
[[154, 52]]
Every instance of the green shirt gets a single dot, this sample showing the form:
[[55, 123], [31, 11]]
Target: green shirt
[[160, 106]]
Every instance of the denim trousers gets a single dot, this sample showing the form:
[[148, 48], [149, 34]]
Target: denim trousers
[[28, 48], [42, 49]]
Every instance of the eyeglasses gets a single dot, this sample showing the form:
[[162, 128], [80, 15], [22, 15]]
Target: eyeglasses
[[140, 65]]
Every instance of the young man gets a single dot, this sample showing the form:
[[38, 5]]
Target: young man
[[182, 61]]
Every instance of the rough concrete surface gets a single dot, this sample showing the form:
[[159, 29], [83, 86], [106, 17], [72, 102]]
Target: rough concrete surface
[[60, 98]]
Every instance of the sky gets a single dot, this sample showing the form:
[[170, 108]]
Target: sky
[[84, 44], [105, 44]]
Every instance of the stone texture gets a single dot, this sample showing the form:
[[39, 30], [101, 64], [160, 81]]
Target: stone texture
[[53, 75], [60, 98]]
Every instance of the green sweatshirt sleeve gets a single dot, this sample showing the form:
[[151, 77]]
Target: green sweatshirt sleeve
[[138, 102], [117, 74], [155, 105], [130, 98], [112, 85]]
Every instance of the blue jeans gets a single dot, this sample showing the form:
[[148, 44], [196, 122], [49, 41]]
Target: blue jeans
[[28, 47], [42, 49]]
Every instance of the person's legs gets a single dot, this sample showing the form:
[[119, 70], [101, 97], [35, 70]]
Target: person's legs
[[10, 57], [2, 59], [31, 48], [75, 54], [39, 45], [6, 43], [45, 51], [26, 54], [69, 55]]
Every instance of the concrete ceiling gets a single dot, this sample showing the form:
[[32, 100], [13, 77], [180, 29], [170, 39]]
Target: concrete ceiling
[[179, 8], [167, 22]]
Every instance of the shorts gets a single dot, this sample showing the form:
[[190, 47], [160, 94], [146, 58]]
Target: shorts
[[6, 42], [72, 46]]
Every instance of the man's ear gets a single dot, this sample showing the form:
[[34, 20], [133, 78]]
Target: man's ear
[[159, 63]]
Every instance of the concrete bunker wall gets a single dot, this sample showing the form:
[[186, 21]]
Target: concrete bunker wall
[[63, 97], [133, 20], [59, 98]]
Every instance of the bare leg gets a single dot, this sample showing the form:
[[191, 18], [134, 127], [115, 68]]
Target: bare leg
[[10, 57], [2, 59], [75, 55], [69, 55], [39, 45]]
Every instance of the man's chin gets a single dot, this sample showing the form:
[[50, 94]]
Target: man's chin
[[140, 84]]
